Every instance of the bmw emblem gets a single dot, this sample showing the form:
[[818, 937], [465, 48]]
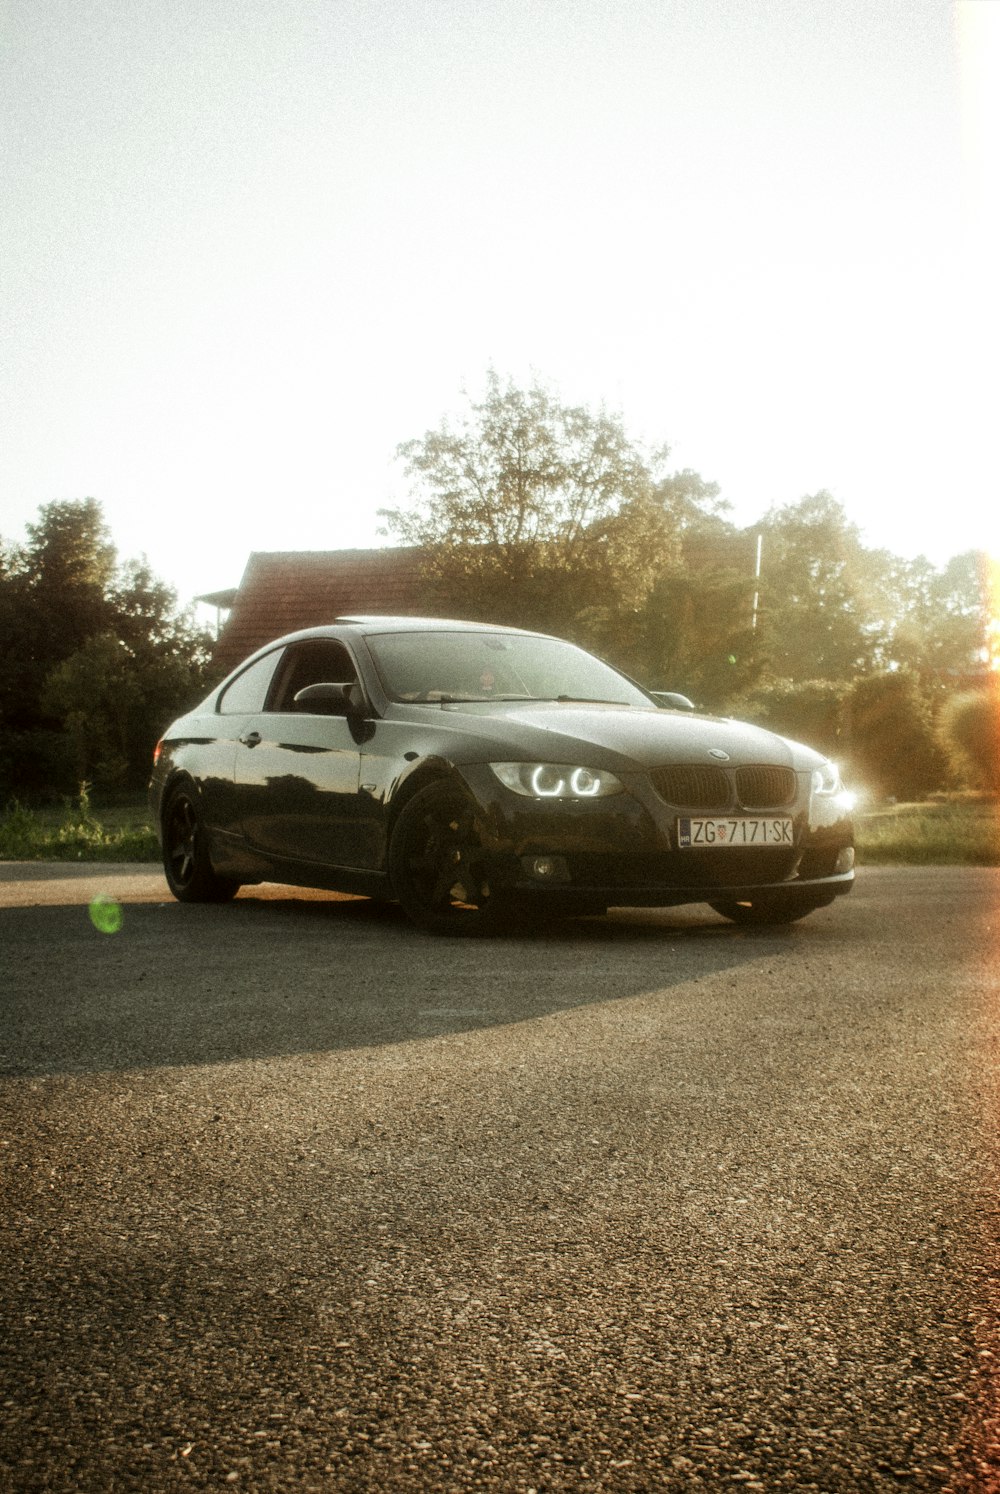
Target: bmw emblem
[[718, 753]]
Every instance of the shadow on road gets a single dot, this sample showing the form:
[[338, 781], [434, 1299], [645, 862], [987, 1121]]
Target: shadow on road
[[280, 976]]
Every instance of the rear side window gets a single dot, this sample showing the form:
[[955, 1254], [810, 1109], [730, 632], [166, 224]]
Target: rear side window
[[248, 691]]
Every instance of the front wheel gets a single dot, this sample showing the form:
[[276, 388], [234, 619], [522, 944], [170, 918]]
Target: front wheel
[[766, 912], [437, 867], [186, 862]]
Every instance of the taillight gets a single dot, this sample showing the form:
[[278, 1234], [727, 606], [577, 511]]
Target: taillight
[[156, 752]]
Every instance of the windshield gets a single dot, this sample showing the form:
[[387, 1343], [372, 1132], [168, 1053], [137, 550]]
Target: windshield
[[495, 666]]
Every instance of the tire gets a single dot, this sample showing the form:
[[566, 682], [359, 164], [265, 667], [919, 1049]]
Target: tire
[[435, 865], [767, 912], [186, 862]]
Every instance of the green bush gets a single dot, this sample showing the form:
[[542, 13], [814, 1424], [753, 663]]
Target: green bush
[[32, 761], [890, 739], [74, 835], [970, 731], [19, 832], [808, 710]]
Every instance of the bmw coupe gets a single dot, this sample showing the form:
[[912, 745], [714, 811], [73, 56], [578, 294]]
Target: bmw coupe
[[482, 774]]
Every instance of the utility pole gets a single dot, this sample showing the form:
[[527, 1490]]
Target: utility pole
[[756, 587]]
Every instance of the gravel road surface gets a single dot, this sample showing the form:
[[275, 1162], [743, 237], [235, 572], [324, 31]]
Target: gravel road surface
[[293, 1197]]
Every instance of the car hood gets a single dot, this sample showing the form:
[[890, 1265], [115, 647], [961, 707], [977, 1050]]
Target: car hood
[[625, 736]]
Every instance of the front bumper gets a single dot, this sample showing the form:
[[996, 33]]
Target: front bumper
[[624, 850]]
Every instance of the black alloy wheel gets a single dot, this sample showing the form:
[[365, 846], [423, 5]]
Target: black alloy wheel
[[436, 864], [186, 862]]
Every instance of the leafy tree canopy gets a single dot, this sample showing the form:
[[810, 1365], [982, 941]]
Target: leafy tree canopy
[[530, 511], [941, 620], [820, 615], [541, 514], [96, 655], [833, 609], [70, 547]]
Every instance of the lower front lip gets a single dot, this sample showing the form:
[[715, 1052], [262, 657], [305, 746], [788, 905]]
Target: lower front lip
[[661, 880]]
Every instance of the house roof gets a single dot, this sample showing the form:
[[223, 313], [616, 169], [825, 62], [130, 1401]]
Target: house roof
[[223, 599], [284, 590]]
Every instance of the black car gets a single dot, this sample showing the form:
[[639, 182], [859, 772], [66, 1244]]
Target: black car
[[480, 774]]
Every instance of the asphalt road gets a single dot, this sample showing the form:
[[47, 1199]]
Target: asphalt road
[[294, 1197]]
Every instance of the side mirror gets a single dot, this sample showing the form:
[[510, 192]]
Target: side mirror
[[669, 700], [329, 699]]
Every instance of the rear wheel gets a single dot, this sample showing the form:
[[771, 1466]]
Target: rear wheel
[[763, 912], [437, 866], [186, 862]]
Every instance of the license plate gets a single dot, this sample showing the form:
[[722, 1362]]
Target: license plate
[[771, 830]]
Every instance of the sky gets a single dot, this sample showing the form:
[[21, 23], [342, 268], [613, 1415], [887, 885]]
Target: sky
[[247, 247]]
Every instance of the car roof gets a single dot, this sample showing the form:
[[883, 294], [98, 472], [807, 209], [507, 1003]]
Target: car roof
[[375, 623], [372, 624]]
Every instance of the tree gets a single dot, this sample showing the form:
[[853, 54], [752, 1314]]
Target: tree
[[54, 596], [942, 618], [539, 514], [545, 515], [696, 633], [96, 657], [822, 603], [96, 694], [170, 658], [71, 547], [69, 566]]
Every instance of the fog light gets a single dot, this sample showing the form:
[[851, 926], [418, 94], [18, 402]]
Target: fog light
[[546, 868], [844, 861]]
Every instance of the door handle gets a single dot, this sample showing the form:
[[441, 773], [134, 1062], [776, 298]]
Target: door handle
[[250, 738]]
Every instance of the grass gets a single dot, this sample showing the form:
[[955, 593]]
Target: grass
[[77, 832], [953, 830]]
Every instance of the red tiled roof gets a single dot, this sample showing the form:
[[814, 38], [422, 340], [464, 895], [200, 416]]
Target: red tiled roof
[[284, 590]]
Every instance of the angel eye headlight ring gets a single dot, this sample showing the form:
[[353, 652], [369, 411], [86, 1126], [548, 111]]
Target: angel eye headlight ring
[[556, 780]]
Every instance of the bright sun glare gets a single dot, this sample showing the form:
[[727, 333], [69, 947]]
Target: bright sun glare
[[978, 35]]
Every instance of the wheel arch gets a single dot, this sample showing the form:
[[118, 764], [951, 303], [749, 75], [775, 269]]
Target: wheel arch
[[178, 778], [431, 770], [186, 845]]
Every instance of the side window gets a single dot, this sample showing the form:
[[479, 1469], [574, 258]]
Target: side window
[[321, 661], [248, 691]]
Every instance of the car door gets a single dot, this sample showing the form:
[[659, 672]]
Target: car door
[[219, 743], [298, 765]]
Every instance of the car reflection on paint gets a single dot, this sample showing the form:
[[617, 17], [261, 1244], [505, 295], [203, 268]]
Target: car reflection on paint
[[481, 774]]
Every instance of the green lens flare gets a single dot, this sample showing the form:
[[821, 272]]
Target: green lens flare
[[105, 914]]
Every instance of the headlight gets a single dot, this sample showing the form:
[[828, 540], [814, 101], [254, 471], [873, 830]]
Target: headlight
[[556, 780], [826, 784], [826, 779]]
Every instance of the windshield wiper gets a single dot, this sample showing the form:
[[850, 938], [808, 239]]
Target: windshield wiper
[[488, 699], [520, 700], [587, 700]]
